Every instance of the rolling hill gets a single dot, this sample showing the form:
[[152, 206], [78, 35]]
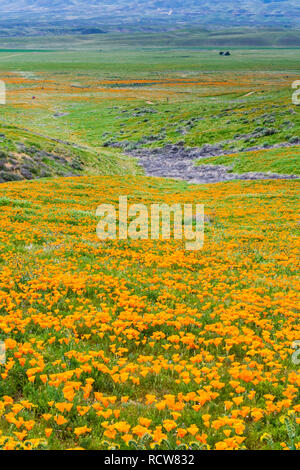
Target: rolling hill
[[120, 15]]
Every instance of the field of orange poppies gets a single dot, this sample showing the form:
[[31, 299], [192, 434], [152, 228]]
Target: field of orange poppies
[[141, 344]]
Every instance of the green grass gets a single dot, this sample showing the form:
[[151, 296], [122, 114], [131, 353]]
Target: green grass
[[283, 160], [124, 59], [25, 147], [179, 38]]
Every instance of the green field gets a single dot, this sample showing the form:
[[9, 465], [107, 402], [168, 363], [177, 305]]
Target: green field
[[151, 96]]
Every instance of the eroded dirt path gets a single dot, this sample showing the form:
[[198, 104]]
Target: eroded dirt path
[[175, 161]]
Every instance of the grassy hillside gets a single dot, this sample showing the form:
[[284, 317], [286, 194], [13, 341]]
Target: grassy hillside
[[27, 155], [286, 161], [185, 37]]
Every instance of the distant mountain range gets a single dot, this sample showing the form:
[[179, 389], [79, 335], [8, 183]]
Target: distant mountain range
[[92, 16]]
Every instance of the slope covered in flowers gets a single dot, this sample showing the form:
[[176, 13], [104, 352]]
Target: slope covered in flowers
[[141, 343]]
